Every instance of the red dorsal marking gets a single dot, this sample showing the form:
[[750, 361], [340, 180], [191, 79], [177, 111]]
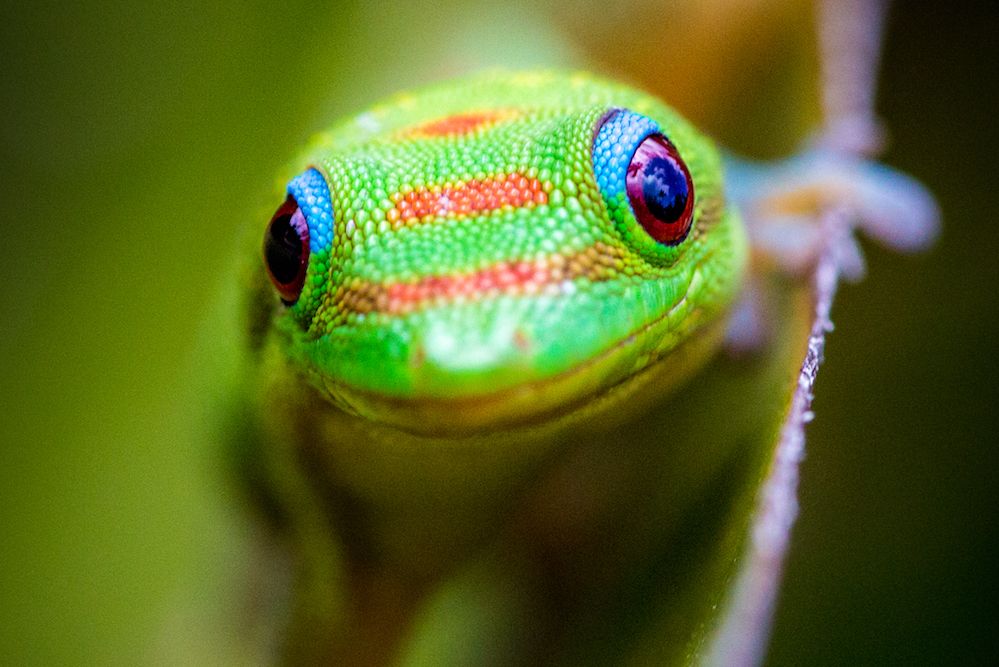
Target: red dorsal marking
[[597, 263], [462, 123], [501, 277], [467, 198]]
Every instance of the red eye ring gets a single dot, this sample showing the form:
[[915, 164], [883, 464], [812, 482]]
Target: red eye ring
[[660, 190], [286, 250]]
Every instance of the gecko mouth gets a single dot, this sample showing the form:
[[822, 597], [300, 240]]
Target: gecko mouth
[[534, 399]]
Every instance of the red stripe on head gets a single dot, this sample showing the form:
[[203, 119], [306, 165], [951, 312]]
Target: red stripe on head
[[597, 263], [510, 277], [467, 198], [463, 123]]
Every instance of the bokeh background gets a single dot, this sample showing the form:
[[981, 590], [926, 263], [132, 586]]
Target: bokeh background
[[136, 140]]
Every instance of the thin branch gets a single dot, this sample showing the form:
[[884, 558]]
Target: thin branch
[[744, 633], [850, 34], [850, 41]]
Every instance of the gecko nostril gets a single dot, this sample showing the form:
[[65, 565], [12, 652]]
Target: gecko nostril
[[286, 250]]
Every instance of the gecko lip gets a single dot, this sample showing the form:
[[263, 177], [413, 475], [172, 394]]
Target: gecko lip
[[493, 382], [532, 404]]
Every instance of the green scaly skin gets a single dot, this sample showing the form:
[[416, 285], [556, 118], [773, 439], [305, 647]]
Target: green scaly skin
[[419, 451]]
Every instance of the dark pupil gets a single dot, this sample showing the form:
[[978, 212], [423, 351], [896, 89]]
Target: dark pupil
[[664, 188], [283, 250]]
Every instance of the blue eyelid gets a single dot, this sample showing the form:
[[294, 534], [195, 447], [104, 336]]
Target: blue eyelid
[[613, 147], [313, 197]]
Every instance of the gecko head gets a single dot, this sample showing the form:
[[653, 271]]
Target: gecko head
[[476, 260]]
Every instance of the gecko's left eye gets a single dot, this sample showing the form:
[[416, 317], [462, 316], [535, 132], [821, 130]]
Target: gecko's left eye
[[660, 190], [286, 250], [640, 172]]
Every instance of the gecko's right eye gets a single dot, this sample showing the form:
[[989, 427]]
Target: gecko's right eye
[[286, 250]]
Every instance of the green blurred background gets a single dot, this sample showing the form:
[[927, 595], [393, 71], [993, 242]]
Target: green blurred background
[[136, 140]]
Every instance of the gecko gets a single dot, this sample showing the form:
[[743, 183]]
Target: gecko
[[481, 405]]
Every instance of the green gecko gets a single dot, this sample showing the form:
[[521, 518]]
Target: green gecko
[[468, 412]]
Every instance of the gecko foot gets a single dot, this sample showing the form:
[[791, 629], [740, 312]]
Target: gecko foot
[[781, 203]]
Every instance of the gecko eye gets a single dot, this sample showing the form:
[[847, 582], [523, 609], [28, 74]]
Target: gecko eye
[[660, 190], [643, 180], [286, 250]]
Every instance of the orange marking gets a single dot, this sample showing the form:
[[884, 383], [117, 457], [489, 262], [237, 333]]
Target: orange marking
[[597, 263], [467, 198], [463, 123], [505, 276]]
